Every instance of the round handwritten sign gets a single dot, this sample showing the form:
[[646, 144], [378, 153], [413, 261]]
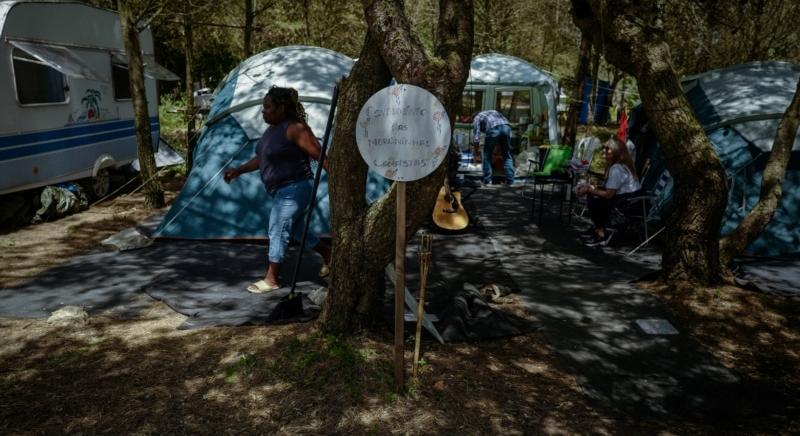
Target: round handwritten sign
[[403, 132]]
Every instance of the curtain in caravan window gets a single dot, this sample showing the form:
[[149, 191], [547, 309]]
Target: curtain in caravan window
[[62, 59], [151, 68], [121, 80], [35, 81]]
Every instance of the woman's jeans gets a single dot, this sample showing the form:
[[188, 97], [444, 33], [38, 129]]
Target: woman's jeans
[[498, 135], [287, 218]]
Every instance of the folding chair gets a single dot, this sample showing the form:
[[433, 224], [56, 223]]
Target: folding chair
[[642, 209], [554, 172]]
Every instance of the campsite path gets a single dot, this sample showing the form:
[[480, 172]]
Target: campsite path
[[588, 309]]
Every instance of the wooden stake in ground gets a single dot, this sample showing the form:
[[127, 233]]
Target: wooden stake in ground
[[425, 242], [399, 288]]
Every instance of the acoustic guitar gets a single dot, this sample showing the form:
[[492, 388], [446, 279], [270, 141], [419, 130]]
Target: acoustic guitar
[[448, 213]]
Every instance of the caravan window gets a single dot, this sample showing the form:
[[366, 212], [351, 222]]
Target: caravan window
[[471, 102], [514, 105], [121, 80], [36, 82]]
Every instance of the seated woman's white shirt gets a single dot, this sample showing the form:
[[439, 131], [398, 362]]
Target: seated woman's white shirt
[[621, 179]]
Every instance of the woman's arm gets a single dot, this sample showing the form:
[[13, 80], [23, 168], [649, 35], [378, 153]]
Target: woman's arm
[[601, 192], [301, 134], [250, 165]]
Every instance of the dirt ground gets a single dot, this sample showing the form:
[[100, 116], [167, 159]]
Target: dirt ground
[[143, 376]]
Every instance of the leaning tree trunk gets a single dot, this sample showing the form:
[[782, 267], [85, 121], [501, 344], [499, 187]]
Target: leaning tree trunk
[[364, 235], [153, 194], [771, 186], [630, 34], [571, 126]]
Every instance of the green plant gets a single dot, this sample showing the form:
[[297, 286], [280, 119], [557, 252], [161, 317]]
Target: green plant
[[171, 110], [244, 366]]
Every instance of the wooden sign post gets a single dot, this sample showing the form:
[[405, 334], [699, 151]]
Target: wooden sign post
[[403, 133], [400, 285]]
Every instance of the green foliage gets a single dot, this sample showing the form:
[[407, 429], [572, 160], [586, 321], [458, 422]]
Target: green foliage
[[176, 171], [704, 35], [171, 118]]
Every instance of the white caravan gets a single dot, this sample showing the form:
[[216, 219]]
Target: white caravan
[[65, 95]]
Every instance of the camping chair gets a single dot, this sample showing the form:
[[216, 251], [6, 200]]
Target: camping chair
[[642, 209], [554, 172]]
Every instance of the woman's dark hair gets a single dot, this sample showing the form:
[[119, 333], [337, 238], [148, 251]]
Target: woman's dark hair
[[288, 98]]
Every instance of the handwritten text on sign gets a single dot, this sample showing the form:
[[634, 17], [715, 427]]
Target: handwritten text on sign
[[403, 132]]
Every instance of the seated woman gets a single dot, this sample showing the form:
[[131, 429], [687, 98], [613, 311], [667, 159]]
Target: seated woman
[[621, 182]]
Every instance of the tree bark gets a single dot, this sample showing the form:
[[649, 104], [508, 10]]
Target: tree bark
[[364, 235], [571, 126], [555, 37], [247, 44], [590, 118], [630, 34], [771, 186], [616, 78], [189, 114], [153, 193]]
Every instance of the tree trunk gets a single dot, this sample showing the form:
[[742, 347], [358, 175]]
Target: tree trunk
[[190, 108], [571, 126], [590, 118], [153, 194], [616, 78], [356, 277], [555, 36], [364, 235], [771, 186], [307, 21], [638, 47], [247, 45]]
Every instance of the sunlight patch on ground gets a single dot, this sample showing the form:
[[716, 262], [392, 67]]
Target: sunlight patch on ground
[[376, 416], [532, 367]]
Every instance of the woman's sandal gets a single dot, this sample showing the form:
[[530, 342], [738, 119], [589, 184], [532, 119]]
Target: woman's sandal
[[261, 287]]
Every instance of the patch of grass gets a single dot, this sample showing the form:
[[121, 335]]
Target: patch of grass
[[318, 359], [242, 367]]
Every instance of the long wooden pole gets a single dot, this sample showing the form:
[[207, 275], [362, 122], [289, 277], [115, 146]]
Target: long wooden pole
[[424, 262], [400, 286]]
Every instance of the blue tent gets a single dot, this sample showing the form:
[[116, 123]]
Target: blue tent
[[740, 108], [207, 207]]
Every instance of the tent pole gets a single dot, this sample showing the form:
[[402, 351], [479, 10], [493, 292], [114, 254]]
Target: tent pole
[[312, 201]]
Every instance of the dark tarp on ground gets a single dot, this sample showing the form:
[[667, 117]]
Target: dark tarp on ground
[[461, 265], [206, 281], [771, 276]]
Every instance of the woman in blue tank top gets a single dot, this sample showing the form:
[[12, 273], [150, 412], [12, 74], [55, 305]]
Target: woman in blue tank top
[[282, 159]]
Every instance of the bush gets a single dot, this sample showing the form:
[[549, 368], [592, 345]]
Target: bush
[[173, 127]]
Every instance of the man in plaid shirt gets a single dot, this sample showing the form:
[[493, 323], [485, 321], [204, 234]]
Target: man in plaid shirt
[[498, 131]]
